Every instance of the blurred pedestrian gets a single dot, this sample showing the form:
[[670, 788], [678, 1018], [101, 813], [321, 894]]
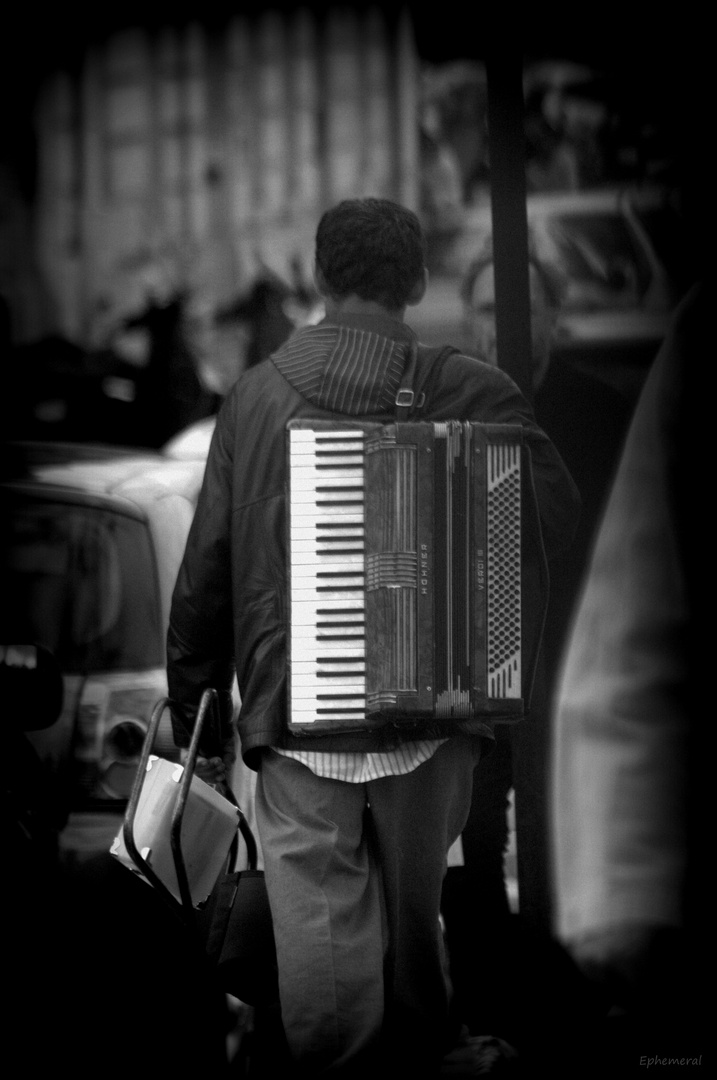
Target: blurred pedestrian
[[547, 287], [442, 201], [271, 309], [262, 309], [354, 828], [629, 760], [170, 393], [585, 417], [586, 420], [551, 159]]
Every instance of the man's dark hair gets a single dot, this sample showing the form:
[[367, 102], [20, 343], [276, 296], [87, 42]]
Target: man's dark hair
[[372, 248]]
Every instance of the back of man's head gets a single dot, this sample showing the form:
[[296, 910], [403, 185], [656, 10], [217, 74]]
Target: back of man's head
[[370, 248]]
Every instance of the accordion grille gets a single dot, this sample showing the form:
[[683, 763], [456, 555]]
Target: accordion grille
[[504, 565]]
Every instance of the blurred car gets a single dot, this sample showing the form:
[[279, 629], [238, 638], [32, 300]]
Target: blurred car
[[192, 442], [621, 253], [92, 538]]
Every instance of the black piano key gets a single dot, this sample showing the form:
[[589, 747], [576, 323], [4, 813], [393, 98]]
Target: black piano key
[[337, 674], [340, 658], [341, 637]]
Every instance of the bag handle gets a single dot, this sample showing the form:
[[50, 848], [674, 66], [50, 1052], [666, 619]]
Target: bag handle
[[131, 812], [252, 854], [209, 701]]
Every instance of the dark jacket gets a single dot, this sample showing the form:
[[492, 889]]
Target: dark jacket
[[229, 607]]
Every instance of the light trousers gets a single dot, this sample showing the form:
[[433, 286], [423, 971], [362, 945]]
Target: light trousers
[[354, 874]]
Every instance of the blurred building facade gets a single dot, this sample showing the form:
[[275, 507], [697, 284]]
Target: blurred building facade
[[183, 156]]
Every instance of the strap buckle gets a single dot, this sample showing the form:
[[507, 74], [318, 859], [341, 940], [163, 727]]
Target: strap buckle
[[405, 399]]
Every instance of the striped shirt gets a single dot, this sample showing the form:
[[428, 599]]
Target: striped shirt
[[359, 768]]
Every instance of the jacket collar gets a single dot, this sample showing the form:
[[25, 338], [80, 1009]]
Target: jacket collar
[[377, 324], [351, 365]]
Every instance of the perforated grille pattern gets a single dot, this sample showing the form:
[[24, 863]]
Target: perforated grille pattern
[[504, 611]]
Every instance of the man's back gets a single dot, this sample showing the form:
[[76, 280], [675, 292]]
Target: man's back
[[354, 828]]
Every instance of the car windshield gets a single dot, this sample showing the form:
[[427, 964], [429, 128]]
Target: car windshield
[[604, 266], [80, 580]]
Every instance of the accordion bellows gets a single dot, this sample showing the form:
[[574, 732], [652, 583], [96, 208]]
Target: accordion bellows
[[404, 573]]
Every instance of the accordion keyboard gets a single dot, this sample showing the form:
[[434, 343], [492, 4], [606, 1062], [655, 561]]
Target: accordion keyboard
[[404, 573], [327, 546]]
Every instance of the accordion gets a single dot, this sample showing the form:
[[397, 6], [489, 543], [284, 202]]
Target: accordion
[[404, 568]]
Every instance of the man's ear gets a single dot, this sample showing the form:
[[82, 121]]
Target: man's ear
[[419, 289]]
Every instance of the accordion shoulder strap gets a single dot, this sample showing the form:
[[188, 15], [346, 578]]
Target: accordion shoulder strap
[[422, 364]]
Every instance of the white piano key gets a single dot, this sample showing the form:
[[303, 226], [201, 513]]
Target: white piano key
[[308, 713], [339, 434], [303, 516], [307, 718], [337, 471], [326, 460], [305, 433], [309, 564], [297, 595], [350, 541], [330, 469], [313, 648], [299, 435], [329, 608], [329, 459], [304, 533], [354, 704], [313, 436], [332, 512], [352, 442]]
